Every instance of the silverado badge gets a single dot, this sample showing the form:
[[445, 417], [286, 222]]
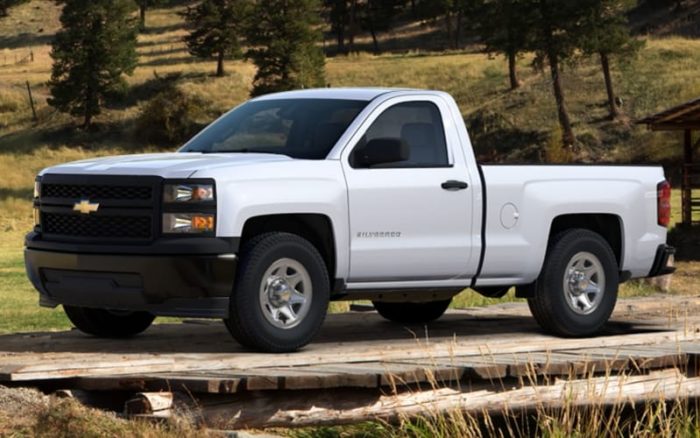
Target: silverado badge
[[85, 207]]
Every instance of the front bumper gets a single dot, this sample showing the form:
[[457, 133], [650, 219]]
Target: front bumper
[[661, 261], [152, 279]]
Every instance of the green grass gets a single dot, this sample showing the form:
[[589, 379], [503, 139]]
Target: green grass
[[19, 311]]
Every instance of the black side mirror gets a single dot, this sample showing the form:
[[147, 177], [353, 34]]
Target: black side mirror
[[382, 151]]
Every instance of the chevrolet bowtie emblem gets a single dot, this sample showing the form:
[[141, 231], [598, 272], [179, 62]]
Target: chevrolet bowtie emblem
[[85, 207]]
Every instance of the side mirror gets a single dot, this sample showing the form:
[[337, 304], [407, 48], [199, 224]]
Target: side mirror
[[382, 151]]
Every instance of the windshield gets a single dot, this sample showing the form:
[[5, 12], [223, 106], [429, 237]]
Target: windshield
[[298, 128]]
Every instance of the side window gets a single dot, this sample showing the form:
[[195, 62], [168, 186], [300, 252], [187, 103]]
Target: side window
[[418, 125]]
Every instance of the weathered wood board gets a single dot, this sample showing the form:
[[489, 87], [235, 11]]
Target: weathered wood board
[[355, 350], [362, 367]]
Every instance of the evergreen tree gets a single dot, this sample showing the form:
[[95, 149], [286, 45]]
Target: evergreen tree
[[339, 18], [216, 29], [556, 33], [92, 52], [606, 33], [378, 16], [506, 29], [283, 36]]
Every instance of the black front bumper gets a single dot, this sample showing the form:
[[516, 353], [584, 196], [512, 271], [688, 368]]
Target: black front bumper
[[660, 266], [179, 277]]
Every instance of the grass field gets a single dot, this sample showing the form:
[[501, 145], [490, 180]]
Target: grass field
[[664, 73]]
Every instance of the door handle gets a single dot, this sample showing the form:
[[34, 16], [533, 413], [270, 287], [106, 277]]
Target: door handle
[[453, 185]]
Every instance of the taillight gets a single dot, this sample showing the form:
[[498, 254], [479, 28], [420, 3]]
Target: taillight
[[663, 203]]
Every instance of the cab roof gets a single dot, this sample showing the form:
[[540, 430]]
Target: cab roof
[[365, 94]]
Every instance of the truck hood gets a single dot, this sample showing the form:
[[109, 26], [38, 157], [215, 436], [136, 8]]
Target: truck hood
[[166, 165]]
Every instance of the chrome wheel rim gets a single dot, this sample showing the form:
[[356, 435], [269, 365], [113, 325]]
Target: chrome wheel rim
[[584, 283], [286, 293]]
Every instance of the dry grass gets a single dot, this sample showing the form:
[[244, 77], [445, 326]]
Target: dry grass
[[582, 411], [28, 413]]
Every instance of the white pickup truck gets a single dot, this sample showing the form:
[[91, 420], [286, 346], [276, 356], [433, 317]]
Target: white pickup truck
[[294, 199]]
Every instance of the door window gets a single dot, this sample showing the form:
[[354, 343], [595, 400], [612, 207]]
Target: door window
[[418, 125]]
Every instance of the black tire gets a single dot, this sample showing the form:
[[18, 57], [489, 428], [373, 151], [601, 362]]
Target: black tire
[[108, 324], [247, 321], [412, 313], [551, 303]]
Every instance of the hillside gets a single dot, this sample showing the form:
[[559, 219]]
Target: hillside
[[505, 126]]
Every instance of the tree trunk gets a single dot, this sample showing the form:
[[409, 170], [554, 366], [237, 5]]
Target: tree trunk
[[340, 36], [567, 132], [513, 71], [375, 42], [220, 64], [351, 26], [605, 63], [87, 110], [448, 26], [458, 29], [142, 16], [414, 12]]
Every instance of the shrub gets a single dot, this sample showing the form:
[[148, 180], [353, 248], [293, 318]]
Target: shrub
[[172, 117]]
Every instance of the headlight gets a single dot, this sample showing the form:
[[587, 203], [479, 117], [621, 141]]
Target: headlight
[[37, 215], [37, 189], [178, 223], [188, 193]]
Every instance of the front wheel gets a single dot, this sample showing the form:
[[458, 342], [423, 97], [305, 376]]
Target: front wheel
[[105, 323], [576, 291], [281, 295], [412, 313]]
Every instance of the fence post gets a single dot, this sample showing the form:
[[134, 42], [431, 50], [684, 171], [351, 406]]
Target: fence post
[[31, 102]]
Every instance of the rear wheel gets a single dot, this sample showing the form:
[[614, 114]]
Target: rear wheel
[[108, 323], [412, 313], [576, 291], [281, 295]]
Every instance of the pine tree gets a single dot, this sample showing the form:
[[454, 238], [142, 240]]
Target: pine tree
[[556, 32], [92, 52], [505, 29], [339, 18], [605, 33], [378, 16], [283, 36], [217, 27]]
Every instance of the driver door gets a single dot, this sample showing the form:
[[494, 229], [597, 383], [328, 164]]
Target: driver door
[[409, 220]]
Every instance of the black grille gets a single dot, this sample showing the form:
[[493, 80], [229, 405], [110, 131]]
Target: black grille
[[80, 191], [104, 227]]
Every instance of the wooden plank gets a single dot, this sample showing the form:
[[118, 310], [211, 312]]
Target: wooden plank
[[595, 362], [472, 367], [61, 361], [62, 369], [644, 358], [157, 404], [192, 382], [285, 409], [351, 375]]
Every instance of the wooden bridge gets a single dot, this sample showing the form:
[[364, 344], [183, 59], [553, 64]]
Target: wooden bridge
[[363, 367]]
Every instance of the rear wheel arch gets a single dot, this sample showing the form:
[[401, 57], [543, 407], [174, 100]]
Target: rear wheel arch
[[609, 226], [314, 227]]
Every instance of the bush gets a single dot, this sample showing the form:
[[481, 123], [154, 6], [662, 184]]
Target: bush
[[172, 117], [497, 140]]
